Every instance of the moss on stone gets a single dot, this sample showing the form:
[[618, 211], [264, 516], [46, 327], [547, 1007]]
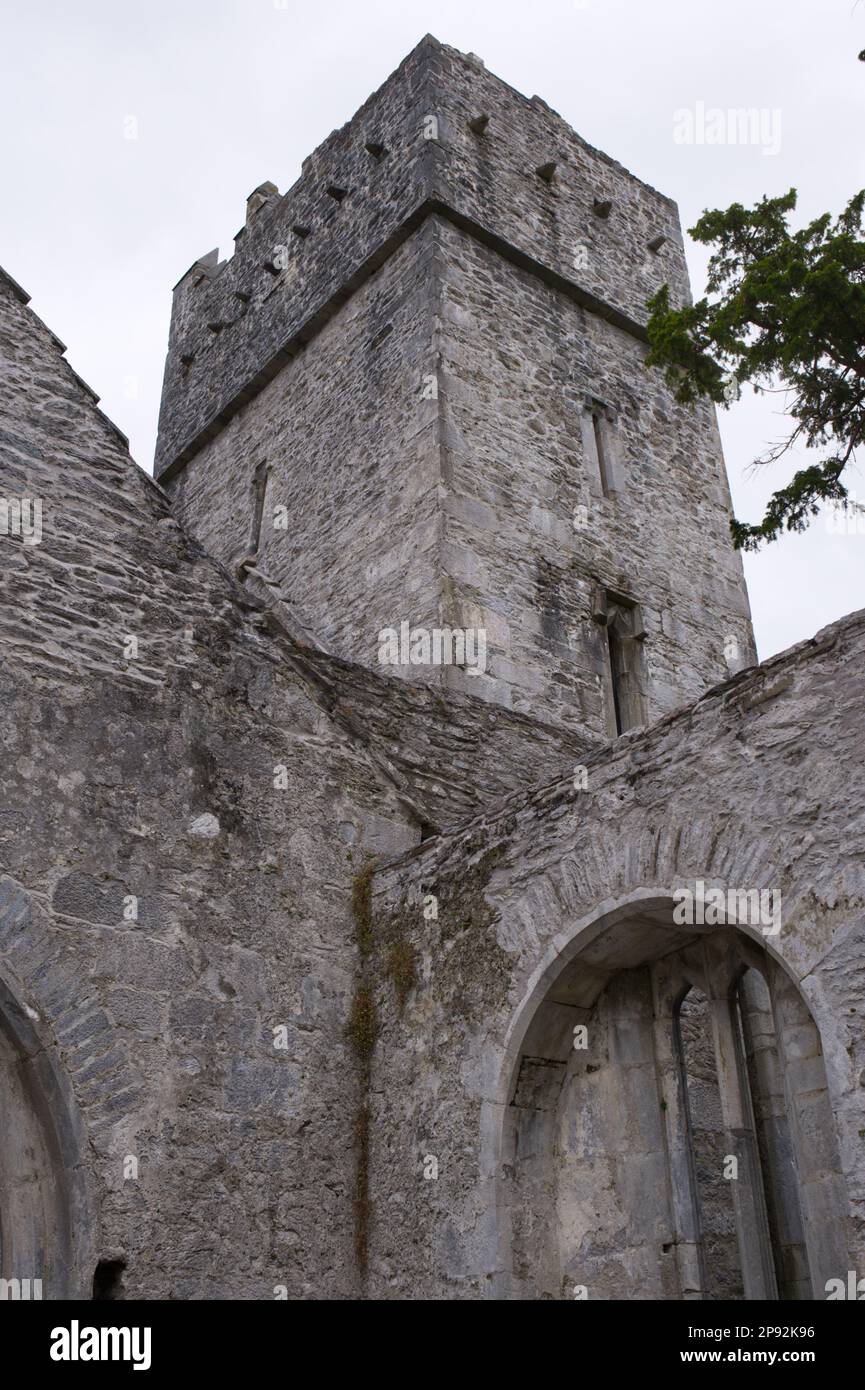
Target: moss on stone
[[362, 1026], [361, 905], [402, 968]]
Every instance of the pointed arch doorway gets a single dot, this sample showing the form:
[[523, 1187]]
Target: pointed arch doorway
[[667, 1130]]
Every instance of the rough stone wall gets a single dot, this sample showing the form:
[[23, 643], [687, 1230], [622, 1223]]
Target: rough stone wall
[[759, 784], [235, 323], [453, 755], [353, 447], [163, 1025], [493, 184], [515, 472]]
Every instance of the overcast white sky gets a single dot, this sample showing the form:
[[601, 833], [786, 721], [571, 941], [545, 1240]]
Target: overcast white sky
[[228, 93]]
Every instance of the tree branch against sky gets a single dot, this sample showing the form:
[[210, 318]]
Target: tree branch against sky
[[785, 310]]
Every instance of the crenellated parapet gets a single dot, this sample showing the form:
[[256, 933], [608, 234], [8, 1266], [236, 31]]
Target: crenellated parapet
[[443, 137]]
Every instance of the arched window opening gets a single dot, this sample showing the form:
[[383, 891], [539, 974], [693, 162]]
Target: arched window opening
[[668, 1131]]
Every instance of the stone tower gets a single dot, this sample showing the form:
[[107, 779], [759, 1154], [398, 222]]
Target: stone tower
[[317, 983], [416, 394]]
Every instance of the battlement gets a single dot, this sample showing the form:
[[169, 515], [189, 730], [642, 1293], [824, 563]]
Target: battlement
[[432, 353], [441, 137]]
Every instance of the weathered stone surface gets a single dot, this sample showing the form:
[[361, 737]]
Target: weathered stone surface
[[164, 1023], [234, 323], [427, 468], [319, 983], [741, 789]]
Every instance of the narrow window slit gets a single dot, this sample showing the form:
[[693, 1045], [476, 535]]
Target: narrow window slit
[[600, 450]]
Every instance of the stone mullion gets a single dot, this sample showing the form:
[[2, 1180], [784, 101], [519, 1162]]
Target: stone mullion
[[752, 1227], [772, 1127], [668, 985]]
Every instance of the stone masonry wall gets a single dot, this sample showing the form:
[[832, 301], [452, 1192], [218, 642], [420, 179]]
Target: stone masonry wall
[[455, 756], [353, 447], [151, 777], [515, 472], [235, 323], [759, 785], [194, 799]]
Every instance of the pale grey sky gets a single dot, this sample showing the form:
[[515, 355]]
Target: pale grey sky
[[228, 93]]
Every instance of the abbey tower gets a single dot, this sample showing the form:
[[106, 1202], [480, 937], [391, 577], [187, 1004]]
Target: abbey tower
[[416, 393]]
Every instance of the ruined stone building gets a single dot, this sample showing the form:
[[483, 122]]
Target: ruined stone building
[[322, 977]]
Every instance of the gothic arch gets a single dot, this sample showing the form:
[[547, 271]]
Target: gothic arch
[[46, 1217], [589, 1151]]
